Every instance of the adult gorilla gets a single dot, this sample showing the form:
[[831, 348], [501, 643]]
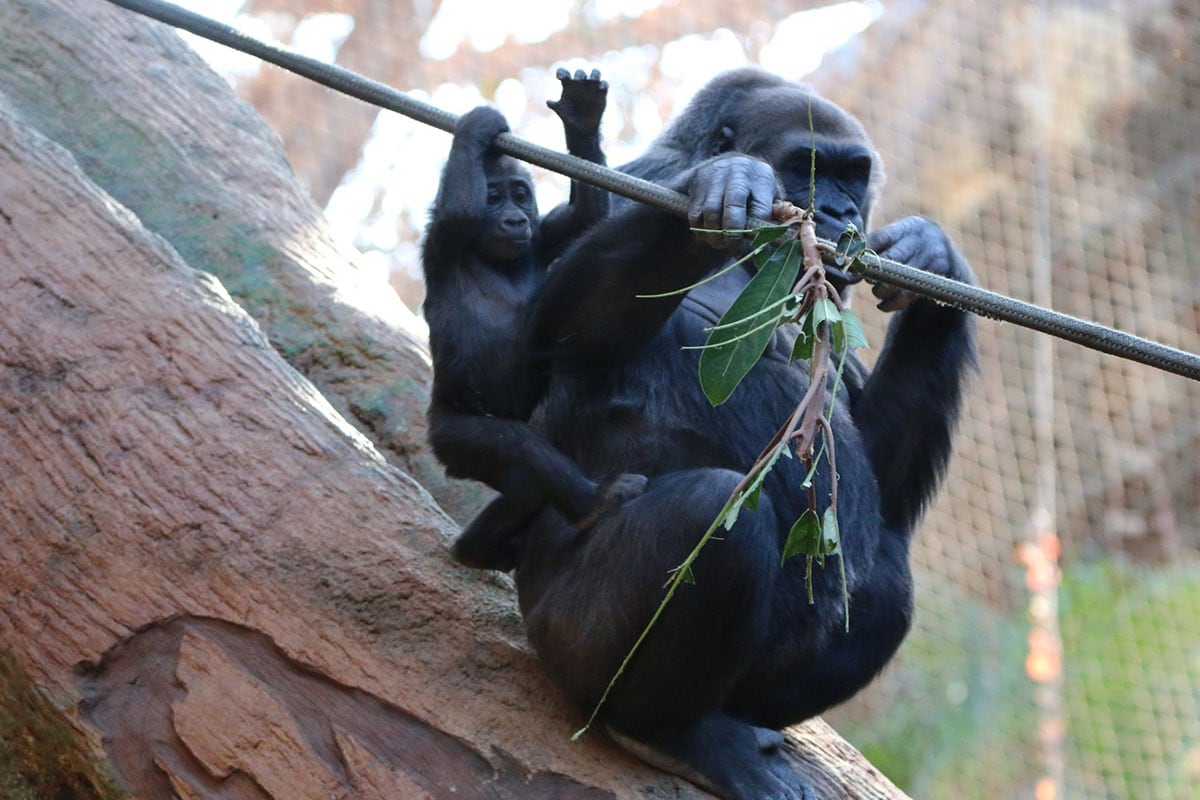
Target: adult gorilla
[[741, 653]]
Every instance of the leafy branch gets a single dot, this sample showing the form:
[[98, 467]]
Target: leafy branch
[[789, 288]]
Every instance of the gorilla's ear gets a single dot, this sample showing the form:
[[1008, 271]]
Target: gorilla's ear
[[725, 140]]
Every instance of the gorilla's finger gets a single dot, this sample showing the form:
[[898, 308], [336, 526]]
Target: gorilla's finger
[[733, 204], [761, 187], [883, 291], [764, 191], [903, 251], [881, 239], [897, 302], [702, 196], [889, 235], [892, 298]]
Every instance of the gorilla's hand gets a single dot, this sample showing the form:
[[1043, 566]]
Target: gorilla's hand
[[726, 192], [921, 244], [480, 125], [583, 100]]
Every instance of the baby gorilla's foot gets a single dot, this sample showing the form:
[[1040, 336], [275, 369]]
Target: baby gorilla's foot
[[493, 539], [612, 495]]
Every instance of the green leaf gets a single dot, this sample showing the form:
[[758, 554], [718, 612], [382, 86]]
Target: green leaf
[[812, 470], [761, 255], [850, 245], [773, 312], [749, 496], [802, 350], [825, 311], [831, 535], [821, 311], [804, 539], [849, 333], [733, 349], [758, 253], [767, 234], [733, 507], [681, 574]]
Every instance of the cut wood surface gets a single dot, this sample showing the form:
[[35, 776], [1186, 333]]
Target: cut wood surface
[[223, 588]]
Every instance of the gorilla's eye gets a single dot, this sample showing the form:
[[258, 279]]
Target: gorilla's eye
[[800, 161], [858, 167]]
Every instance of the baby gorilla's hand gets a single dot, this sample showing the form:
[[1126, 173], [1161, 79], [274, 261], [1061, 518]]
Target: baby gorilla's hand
[[480, 126], [584, 98]]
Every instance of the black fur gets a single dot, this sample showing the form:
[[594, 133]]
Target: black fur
[[741, 650]]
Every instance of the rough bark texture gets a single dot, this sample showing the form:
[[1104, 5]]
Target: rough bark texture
[[160, 132], [211, 584]]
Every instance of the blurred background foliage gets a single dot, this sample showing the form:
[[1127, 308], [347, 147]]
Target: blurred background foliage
[[1057, 648]]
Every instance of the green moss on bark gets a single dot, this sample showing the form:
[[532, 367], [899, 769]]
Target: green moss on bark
[[42, 755]]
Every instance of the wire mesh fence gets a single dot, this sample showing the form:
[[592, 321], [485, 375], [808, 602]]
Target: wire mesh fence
[[1057, 646]]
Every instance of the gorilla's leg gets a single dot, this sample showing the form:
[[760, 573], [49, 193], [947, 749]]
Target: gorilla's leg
[[881, 610], [511, 458], [586, 597], [726, 756], [493, 539]]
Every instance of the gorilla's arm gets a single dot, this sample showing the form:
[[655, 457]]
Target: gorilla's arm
[[909, 405], [511, 458], [594, 307], [588, 310], [461, 203], [584, 98]]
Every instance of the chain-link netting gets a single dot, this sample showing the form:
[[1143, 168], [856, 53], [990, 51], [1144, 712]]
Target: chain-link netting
[[1057, 648]]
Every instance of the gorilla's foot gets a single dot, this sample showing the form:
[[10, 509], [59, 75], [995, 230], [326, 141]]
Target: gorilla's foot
[[731, 759], [493, 539]]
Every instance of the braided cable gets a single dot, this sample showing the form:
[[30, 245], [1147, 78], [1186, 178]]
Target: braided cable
[[964, 296]]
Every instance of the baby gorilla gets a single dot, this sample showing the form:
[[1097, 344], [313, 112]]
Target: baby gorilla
[[485, 257]]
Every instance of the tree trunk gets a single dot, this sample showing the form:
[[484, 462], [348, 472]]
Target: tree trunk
[[160, 132], [213, 585]]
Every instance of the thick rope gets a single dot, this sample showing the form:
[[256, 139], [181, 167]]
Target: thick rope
[[960, 295]]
